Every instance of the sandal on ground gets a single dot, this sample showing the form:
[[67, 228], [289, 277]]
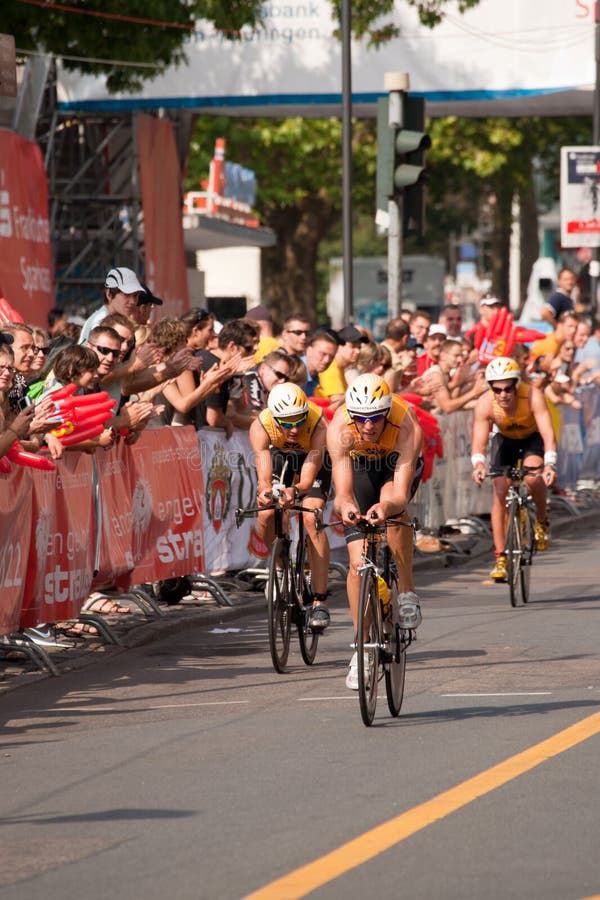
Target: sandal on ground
[[104, 605], [76, 629], [319, 617]]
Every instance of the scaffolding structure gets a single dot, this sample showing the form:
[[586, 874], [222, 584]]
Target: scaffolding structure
[[91, 160]]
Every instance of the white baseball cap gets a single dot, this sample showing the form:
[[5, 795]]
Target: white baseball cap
[[436, 329], [489, 300], [124, 280]]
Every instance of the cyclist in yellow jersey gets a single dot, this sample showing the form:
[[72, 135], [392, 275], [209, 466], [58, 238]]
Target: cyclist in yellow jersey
[[519, 419], [291, 432], [375, 442]]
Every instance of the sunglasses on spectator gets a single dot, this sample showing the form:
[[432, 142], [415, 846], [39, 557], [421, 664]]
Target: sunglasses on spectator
[[503, 390], [285, 423], [42, 350], [281, 375], [362, 420], [106, 351], [249, 348], [6, 368], [297, 331]]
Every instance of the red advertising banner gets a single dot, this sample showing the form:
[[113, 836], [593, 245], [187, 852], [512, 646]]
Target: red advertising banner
[[25, 254], [61, 555], [15, 535], [163, 221], [116, 558], [167, 532]]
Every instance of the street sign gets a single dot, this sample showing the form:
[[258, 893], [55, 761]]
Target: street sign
[[580, 196], [8, 66]]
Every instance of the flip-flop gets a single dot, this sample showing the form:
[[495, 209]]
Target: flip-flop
[[104, 605], [76, 629]]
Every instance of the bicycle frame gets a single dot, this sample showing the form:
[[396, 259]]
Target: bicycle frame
[[289, 598], [519, 545], [379, 638]]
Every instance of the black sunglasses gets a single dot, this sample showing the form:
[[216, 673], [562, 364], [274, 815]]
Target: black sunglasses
[[297, 331], [503, 390], [106, 351], [281, 375]]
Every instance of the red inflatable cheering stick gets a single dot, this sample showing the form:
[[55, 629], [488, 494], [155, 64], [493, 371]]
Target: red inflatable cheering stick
[[83, 417], [499, 336], [22, 457]]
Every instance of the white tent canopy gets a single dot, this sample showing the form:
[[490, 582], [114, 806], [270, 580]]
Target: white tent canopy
[[506, 57]]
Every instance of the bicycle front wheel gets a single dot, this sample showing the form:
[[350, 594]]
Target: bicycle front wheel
[[394, 652], [308, 638], [514, 554], [278, 604], [527, 545], [369, 643]]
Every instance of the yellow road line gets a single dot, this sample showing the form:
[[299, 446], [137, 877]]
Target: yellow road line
[[349, 856]]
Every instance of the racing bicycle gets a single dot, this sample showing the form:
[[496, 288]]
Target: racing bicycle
[[381, 643], [519, 545], [289, 594]]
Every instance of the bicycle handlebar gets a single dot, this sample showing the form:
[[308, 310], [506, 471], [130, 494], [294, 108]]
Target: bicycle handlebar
[[515, 472], [248, 513]]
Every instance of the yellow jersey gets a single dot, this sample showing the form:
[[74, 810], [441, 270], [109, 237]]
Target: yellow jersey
[[388, 438], [519, 425], [279, 437]]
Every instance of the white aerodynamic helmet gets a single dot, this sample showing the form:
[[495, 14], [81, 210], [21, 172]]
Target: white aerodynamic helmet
[[367, 395], [502, 369], [286, 400]]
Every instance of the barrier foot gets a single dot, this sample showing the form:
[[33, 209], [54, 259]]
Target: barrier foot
[[205, 582], [105, 630], [340, 568], [144, 600], [37, 655], [556, 501]]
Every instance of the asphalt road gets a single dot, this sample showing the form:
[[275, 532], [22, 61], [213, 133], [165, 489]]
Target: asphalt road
[[189, 769]]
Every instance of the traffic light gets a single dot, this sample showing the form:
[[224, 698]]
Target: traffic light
[[401, 161]]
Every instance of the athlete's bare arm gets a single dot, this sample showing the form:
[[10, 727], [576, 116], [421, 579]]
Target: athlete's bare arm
[[340, 441]]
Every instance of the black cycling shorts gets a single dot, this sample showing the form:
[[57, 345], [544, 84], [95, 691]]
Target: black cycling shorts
[[369, 477], [295, 460], [506, 452]]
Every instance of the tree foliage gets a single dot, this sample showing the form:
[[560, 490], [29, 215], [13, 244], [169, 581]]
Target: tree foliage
[[92, 35]]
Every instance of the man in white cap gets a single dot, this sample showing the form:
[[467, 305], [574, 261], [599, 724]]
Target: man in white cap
[[122, 291]]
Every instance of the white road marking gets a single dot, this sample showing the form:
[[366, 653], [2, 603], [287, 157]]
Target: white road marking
[[507, 694]]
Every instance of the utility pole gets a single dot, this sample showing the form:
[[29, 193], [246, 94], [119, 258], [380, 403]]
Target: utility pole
[[594, 262], [347, 158]]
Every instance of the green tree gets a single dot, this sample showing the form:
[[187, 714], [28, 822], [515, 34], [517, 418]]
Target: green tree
[[481, 164], [297, 164], [134, 31]]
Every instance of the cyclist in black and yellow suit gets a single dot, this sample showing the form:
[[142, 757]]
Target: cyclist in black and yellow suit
[[292, 430], [519, 419], [375, 442]]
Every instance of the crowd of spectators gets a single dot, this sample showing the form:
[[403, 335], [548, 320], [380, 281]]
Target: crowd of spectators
[[194, 370]]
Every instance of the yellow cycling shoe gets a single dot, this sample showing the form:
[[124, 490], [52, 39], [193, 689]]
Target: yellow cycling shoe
[[499, 572], [542, 536]]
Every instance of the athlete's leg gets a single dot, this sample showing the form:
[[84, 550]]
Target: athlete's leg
[[318, 546]]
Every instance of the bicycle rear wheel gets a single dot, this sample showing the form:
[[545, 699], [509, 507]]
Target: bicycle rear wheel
[[278, 604], [369, 642], [514, 554], [308, 638], [527, 545], [394, 647]]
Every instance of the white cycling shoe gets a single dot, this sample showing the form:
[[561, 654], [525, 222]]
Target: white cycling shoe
[[409, 610], [352, 676]]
